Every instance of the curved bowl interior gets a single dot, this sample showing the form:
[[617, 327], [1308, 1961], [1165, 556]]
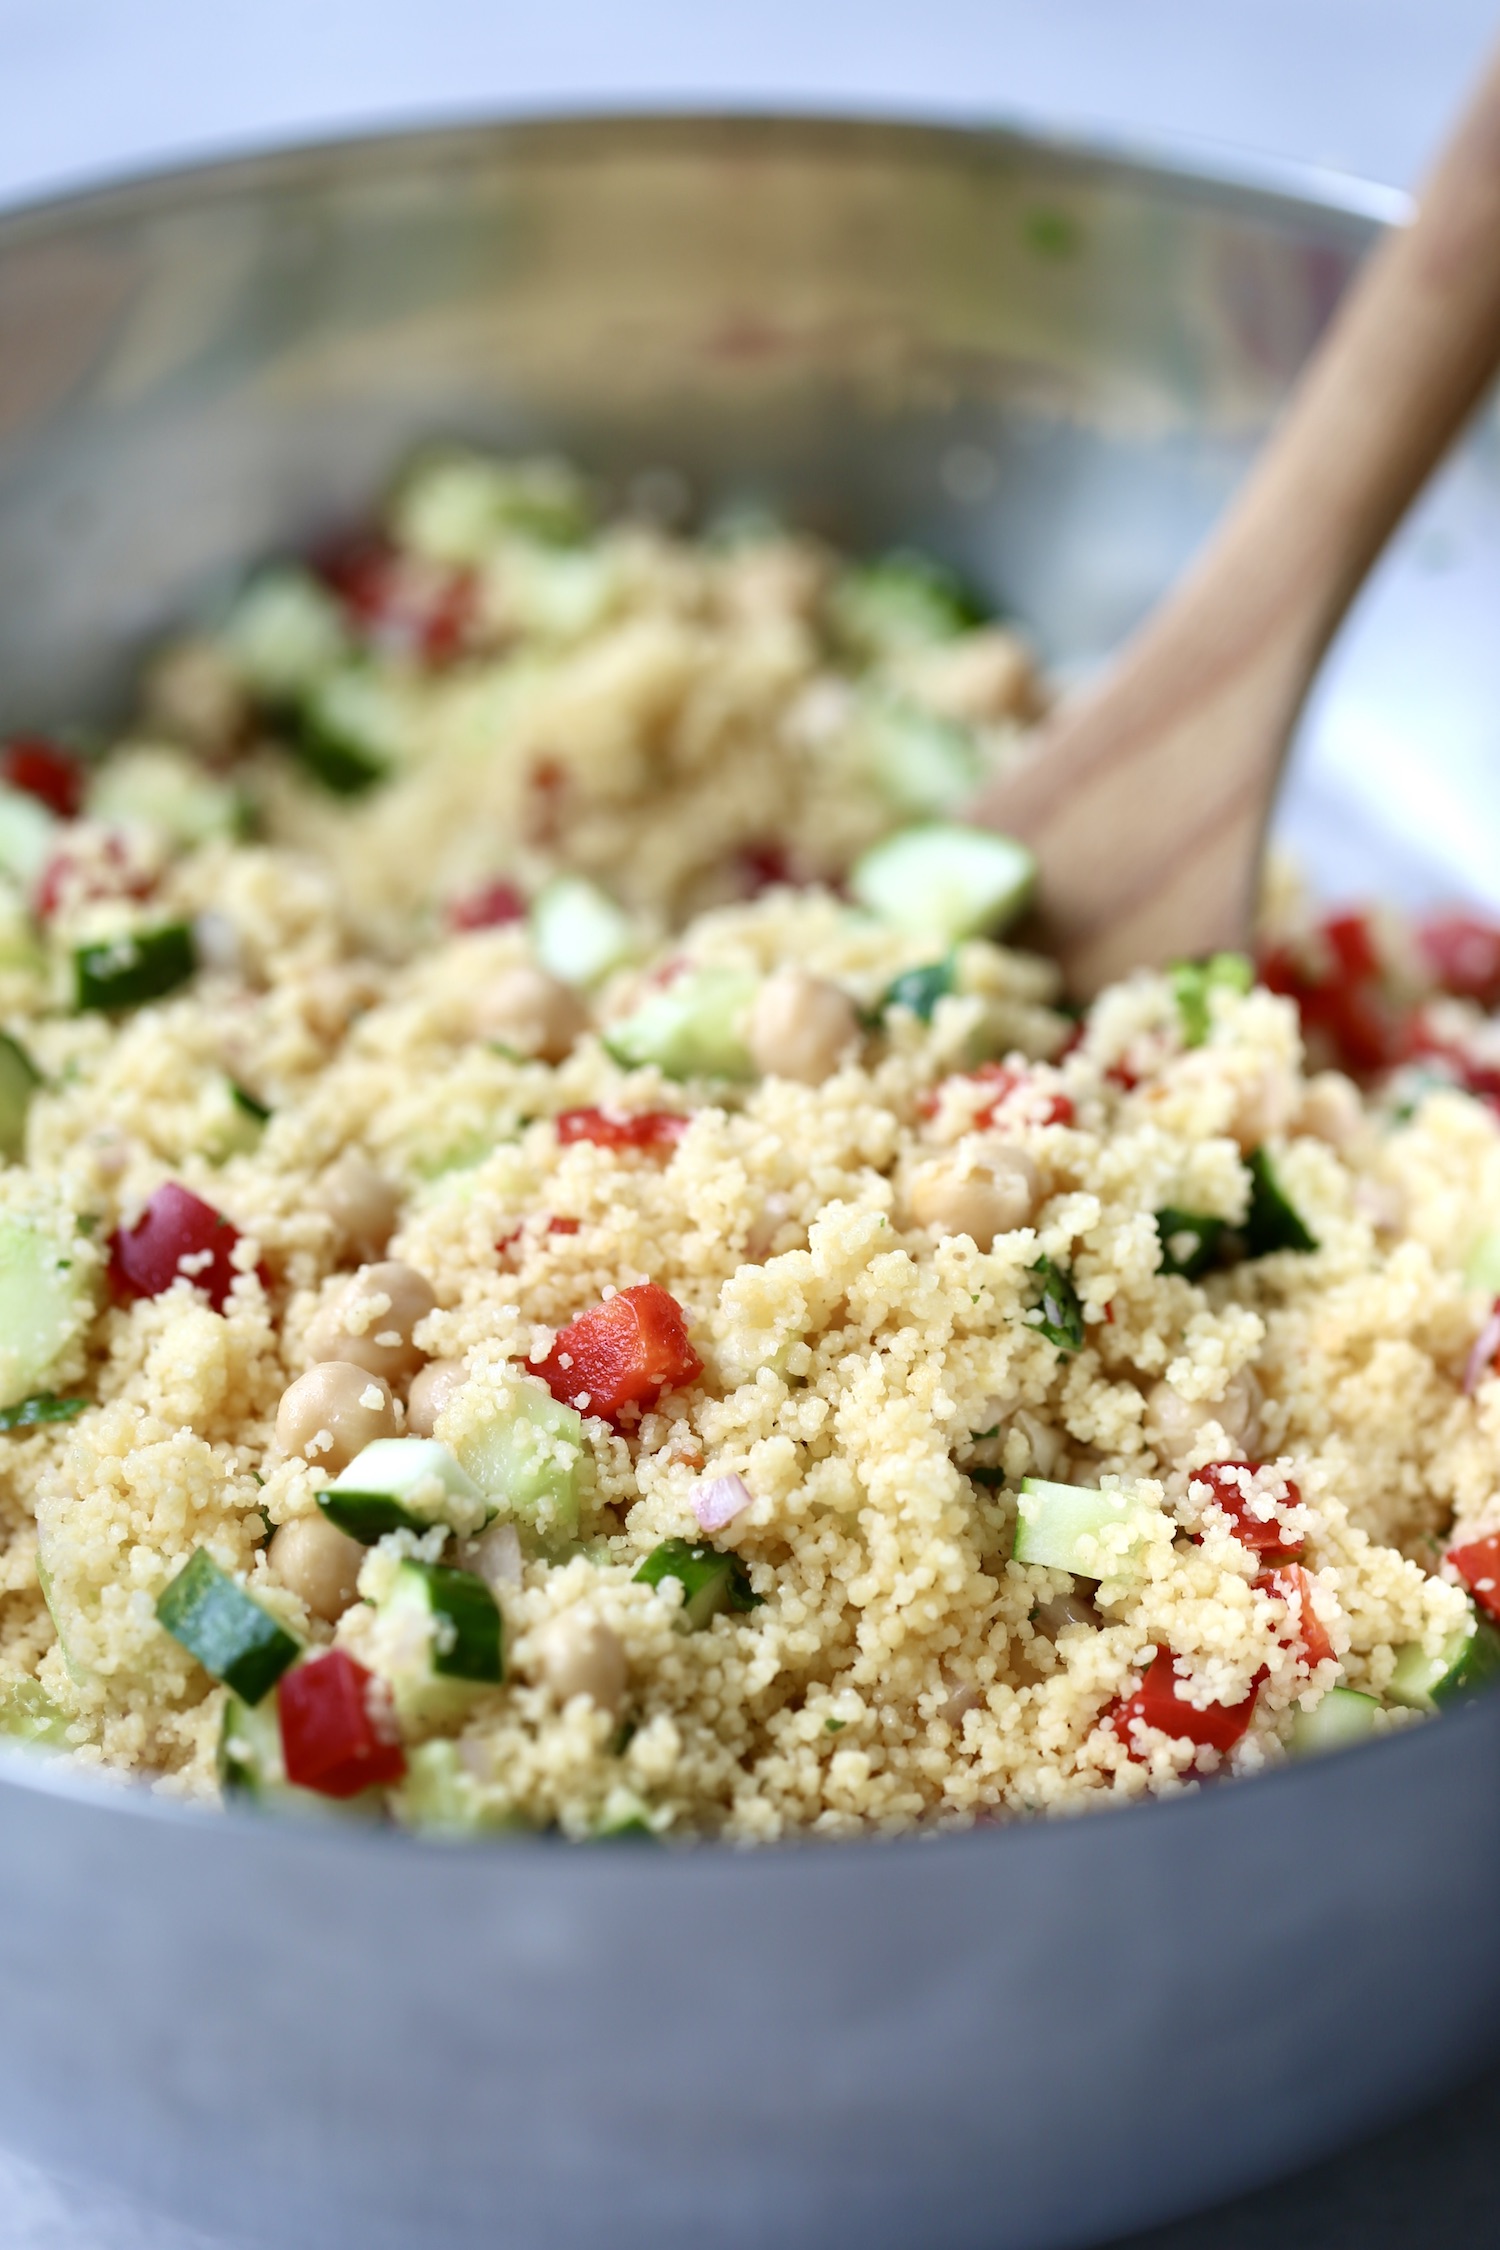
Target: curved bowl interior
[[1050, 366]]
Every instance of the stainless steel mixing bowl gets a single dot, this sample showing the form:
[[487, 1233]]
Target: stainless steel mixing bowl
[[1049, 364]]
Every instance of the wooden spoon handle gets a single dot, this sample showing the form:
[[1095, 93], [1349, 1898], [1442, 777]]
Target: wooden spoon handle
[[1146, 799]]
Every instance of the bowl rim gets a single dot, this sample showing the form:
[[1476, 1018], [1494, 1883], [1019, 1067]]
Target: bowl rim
[[1179, 164]]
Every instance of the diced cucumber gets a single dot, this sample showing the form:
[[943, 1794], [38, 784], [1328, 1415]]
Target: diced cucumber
[[1189, 1241], [694, 1027], [28, 832], [921, 989], [19, 1080], [558, 593], [1469, 1660], [79, 1672], [624, 1817], [943, 879], [28, 1714], [1077, 1528], [284, 634], [1340, 1717], [578, 932], [920, 763], [1482, 1267], [158, 787], [234, 1124], [350, 731], [140, 965], [438, 1637], [1193, 981], [46, 1300], [20, 944], [403, 1484], [901, 601], [710, 1581], [252, 1767], [453, 506], [42, 1407], [528, 1453], [1272, 1222], [439, 1797], [226, 1629]]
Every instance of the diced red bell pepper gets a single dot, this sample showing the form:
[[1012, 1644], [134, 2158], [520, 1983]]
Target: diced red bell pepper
[[760, 867], [337, 1733], [46, 770], [563, 1226], [1341, 998], [1463, 954], [625, 1352], [412, 604], [655, 1130], [1347, 937], [1262, 1535], [1043, 1107], [1156, 1703], [1478, 1565], [1292, 1585], [177, 1234], [487, 909], [101, 867]]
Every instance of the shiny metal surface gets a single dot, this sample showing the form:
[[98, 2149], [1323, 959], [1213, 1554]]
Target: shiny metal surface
[[1049, 365]]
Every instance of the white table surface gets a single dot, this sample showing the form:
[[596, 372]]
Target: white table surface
[[88, 87]]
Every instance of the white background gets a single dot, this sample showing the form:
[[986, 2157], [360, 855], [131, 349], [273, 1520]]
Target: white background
[[90, 86]]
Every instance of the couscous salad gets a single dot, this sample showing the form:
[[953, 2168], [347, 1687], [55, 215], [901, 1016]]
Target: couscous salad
[[554, 1272]]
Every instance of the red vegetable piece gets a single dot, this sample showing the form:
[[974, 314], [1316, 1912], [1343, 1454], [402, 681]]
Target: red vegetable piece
[[336, 1734], [487, 909], [625, 1352], [46, 770], [1463, 954], [98, 866], [410, 603], [177, 1234], [652, 1129], [761, 867], [563, 1226], [1292, 1585], [1156, 1703], [1342, 1000], [1478, 1565], [1263, 1535], [1043, 1107], [1348, 939]]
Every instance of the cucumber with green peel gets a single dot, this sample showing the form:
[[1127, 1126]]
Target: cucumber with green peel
[[920, 990], [349, 731], [112, 974], [284, 634], [252, 1768], [900, 601], [232, 1636], [1468, 1661], [440, 1797], [405, 1483], [454, 506], [1482, 1266], [945, 880], [19, 1080], [578, 933], [1193, 982], [1273, 1222], [154, 786], [920, 763], [235, 1124], [1189, 1241], [46, 1300], [78, 1672], [36, 1412], [624, 1817], [28, 835], [438, 1639], [526, 1452], [710, 1581], [29, 1715], [1078, 1528], [1339, 1718], [695, 1027]]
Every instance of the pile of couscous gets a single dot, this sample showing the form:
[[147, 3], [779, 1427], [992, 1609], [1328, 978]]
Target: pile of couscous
[[554, 1272]]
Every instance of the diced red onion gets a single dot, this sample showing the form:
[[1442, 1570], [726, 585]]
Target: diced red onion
[[1486, 1344], [719, 1501]]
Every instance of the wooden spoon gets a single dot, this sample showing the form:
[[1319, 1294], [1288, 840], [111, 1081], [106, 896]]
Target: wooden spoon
[[1146, 798]]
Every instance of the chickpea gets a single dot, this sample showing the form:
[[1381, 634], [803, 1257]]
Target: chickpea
[[582, 1656], [362, 1203], [195, 695], [525, 1008], [432, 1388], [977, 679], [1174, 1421], [371, 1319], [982, 1199], [1264, 1106], [332, 1412], [800, 1026], [318, 1562], [1332, 1111]]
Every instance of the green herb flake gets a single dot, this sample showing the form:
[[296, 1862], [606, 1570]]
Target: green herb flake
[[1059, 1315], [247, 1104], [1189, 1241], [226, 1629], [991, 1478], [33, 1412], [1193, 981], [920, 990], [834, 1726], [710, 1581], [1273, 1223]]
